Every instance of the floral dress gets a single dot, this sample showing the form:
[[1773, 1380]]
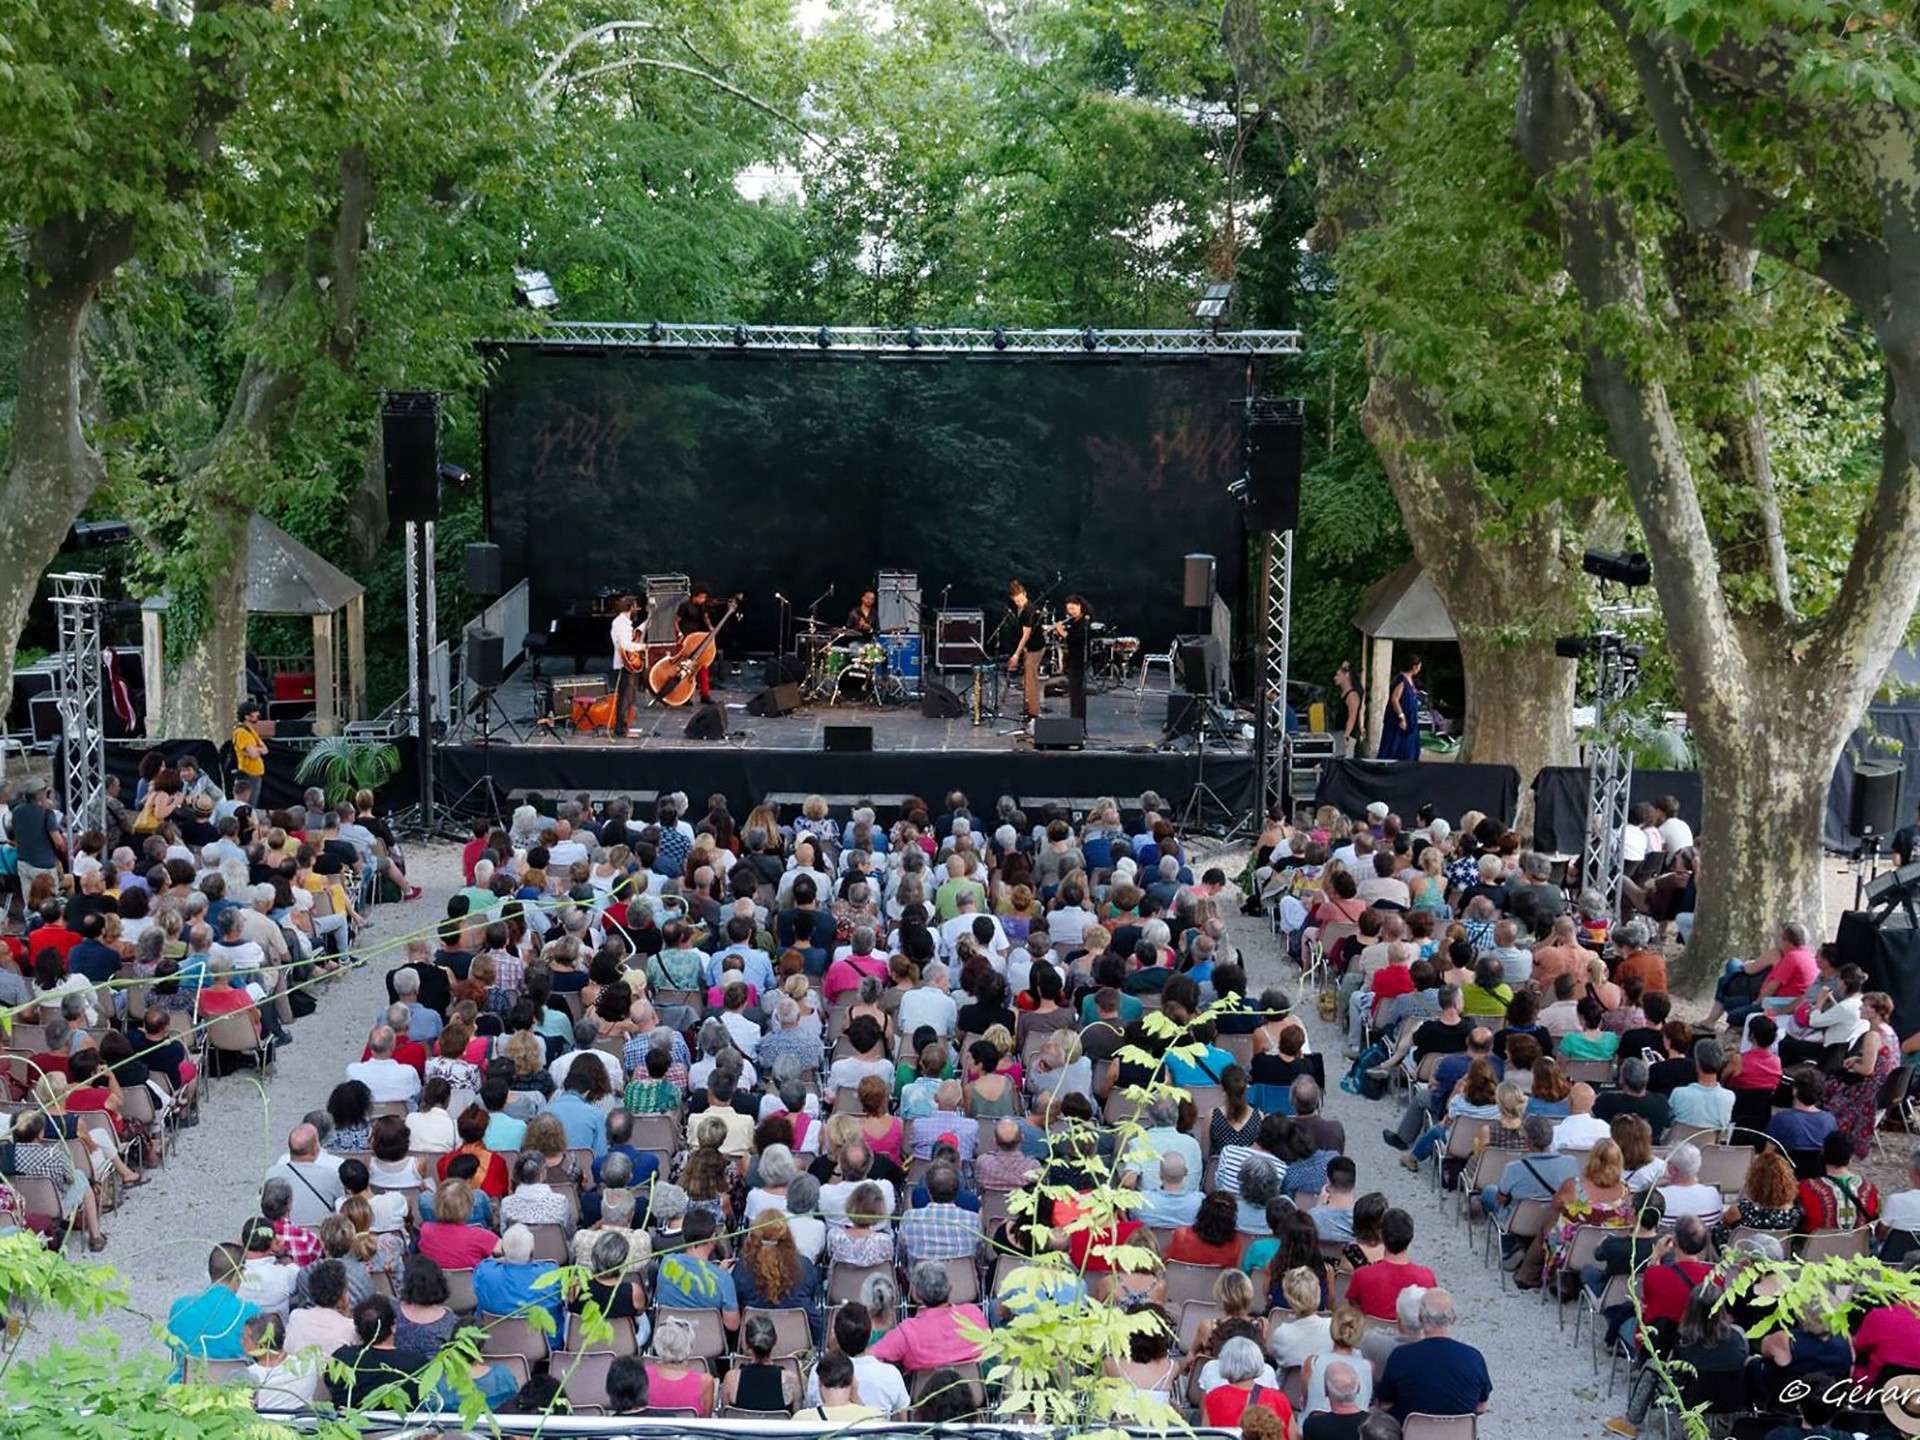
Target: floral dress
[[1608, 1214], [1852, 1101]]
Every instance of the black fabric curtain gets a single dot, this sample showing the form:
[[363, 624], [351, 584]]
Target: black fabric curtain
[[1405, 785]]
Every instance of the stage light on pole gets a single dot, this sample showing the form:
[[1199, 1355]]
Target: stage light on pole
[[656, 332], [1212, 307], [823, 337], [1089, 339], [534, 290], [452, 474], [740, 336], [913, 337], [999, 337], [1628, 568]]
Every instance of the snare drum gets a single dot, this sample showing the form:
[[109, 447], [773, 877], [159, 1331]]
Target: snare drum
[[1122, 647], [838, 658], [903, 656]]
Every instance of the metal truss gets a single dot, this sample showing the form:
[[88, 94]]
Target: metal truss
[[910, 340], [1603, 864], [1276, 653], [78, 600]]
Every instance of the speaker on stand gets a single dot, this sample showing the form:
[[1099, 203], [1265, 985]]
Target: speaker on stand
[[1873, 816], [484, 666]]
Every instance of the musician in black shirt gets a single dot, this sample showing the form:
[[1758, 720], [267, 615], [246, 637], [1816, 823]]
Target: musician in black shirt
[[1076, 630], [695, 617], [1026, 647], [863, 620]]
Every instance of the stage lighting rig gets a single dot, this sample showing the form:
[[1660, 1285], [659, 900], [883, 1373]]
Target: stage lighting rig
[[1628, 569], [534, 290]]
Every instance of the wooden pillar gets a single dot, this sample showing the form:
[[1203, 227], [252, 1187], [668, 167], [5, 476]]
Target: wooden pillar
[[357, 658], [153, 665], [1379, 681], [326, 698]]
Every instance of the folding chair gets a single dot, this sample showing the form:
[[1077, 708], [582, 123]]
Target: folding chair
[[1581, 1250], [460, 1297], [504, 1335], [1440, 1427], [550, 1243], [1187, 1282], [709, 1334], [1528, 1219], [791, 1335], [582, 1377], [1836, 1244], [1462, 1136], [622, 1342], [844, 1281]]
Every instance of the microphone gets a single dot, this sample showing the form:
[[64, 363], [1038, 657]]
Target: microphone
[[830, 590], [781, 598]]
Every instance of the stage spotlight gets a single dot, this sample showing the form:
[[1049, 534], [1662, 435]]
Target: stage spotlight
[[452, 474], [740, 336], [1089, 340], [1628, 568], [656, 332], [913, 337], [999, 337], [1237, 488], [534, 290], [1571, 647], [823, 337], [96, 535], [1213, 306]]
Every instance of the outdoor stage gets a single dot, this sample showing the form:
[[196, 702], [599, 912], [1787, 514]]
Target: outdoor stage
[[785, 756]]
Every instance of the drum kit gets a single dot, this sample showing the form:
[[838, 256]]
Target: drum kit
[[843, 665]]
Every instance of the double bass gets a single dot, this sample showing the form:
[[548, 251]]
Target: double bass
[[673, 678]]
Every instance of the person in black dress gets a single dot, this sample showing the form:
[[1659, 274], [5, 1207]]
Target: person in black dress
[[1076, 630]]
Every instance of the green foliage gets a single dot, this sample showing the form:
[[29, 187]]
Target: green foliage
[[345, 765]]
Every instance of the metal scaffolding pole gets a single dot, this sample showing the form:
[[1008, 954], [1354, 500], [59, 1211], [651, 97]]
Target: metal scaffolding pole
[[78, 600], [1276, 656], [1603, 864], [906, 340]]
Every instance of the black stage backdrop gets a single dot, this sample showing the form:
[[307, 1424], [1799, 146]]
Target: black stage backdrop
[[1452, 788], [1560, 802], [764, 472]]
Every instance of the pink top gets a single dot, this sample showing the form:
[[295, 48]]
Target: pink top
[[844, 976], [888, 1142], [1793, 972], [931, 1339], [456, 1247], [681, 1394]]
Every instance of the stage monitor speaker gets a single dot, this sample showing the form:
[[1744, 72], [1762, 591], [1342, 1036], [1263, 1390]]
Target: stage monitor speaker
[[486, 658], [849, 739], [1876, 797], [44, 715], [1059, 732], [410, 448], [708, 722], [941, 702], [483, 570], [1197, 593], [1184, 712], [775, 700], [1274, 458]]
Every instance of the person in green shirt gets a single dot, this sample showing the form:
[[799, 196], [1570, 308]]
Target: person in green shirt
[[1488, 995], [1590, 1042], [946, 900]]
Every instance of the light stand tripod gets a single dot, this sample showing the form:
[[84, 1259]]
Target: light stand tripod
[[486, 708]]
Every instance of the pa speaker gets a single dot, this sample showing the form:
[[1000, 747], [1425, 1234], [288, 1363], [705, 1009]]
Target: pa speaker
[[708, 722], [1876, 797], [849, 739], [486, 658], [1184, 712], [1059, 732], [1274, 458], [775, 700], [941, 702], [410, 447], [483, 570], [1197, 591], [1200, 669]]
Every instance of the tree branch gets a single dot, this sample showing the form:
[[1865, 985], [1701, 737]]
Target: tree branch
[[654, 62], [585, 37]]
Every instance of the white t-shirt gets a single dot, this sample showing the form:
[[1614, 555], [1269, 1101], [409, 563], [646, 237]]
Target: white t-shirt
[[1068, 925], [746, 1034], [924, 1005], [1633, 843], [848, 1072], [1675, 834], [288, 1386], [834, 1197], [879, 1385], [386, 1078], [1902, 1211], [616, 1081], [389, 1210], [269, 1284], [1701, 1200]]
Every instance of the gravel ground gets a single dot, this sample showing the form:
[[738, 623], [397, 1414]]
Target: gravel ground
[[158, 1240], [1543, 1384]]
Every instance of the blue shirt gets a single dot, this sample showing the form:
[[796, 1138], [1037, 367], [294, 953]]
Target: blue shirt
[[1435, 1376], [1205, 1070], [759, 971], [1447, 1074], [646, 1165], [99, 963], [208, 1325], [504, 1289], [423, 1024], [504, 1132], [689, 1283], [586, 1127]]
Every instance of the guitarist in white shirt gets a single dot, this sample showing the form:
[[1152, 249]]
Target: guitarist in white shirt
[[629, 664]]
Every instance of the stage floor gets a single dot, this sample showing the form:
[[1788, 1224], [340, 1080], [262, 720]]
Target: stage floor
[[785, 756]]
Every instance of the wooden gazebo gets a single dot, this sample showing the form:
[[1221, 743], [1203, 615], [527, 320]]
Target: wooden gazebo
[[284, 577]]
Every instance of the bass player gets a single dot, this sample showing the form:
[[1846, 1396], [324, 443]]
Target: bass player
[[695, 617], [629, 665]]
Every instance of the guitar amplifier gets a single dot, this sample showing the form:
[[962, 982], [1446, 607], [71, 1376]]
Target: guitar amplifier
[[569, 688], [959, 639]]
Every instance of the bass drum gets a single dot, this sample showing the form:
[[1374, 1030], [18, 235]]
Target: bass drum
[[903, 657]]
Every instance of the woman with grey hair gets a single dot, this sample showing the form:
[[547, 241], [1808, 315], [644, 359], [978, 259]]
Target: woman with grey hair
[[809, 1231], [1259, 1184], [673, 1383], [776, 1174], [882, 1297], [1240, 1365]]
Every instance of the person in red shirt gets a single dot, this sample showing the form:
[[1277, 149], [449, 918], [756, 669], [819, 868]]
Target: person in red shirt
[[491, 1177], [52, 935], [1673, 1270], [1240, 1363], [1393, 978], [1376, 1288], [406, 1051], [93, 1089], [1213, 1238], [476, 847], [1756, 1066]]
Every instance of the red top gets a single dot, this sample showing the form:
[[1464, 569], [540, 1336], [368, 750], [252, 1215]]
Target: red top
[[474, 849], [1081, 1243], [456, 1247], [1375, 1288], [1792, 973], [409, 1052], [1664, 1294], [1225, 1404], [492, 1175], [92, 1100], [1190, 1249], [1759, 1070], [53, 937], [1389, 981]]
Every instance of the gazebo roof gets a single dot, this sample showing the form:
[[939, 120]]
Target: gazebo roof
[[1404, 606], [284, 577]]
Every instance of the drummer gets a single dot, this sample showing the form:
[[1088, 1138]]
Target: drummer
[[864, 619]]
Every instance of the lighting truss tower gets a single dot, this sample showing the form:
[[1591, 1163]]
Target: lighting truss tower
[[78, 601], [1603, 863], [1276, 654], [422, 639]]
